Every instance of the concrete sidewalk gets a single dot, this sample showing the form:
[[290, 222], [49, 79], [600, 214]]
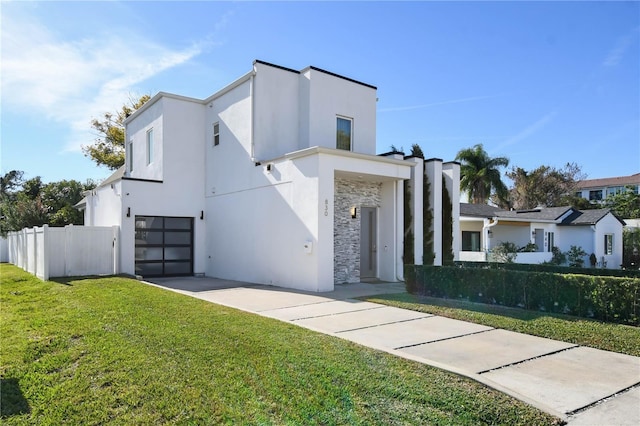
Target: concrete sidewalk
[[581, 385]]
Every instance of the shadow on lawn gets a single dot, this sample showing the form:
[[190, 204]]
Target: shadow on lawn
[[12, 401]]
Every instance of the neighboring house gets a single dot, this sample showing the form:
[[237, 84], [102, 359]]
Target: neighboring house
[[273, 179], [597, 231], [597, 190]]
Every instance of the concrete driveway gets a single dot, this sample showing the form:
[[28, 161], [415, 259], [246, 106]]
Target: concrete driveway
[[584, 386]]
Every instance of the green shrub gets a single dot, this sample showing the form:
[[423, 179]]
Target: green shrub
[[612, 299]]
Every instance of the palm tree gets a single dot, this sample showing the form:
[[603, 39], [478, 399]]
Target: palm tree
[[480, 174]]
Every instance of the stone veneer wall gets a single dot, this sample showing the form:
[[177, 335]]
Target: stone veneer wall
[[346, 231]]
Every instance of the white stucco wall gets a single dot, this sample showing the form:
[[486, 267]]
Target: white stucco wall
[[277, 110], [259, 234], [136, 131], [180, 193], [329, 97], [104, 206], [609, 225]]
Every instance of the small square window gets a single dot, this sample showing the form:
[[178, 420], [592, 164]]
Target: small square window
[[216, 134], [343, 133], [149, 146]]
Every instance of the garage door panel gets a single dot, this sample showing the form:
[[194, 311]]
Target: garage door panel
[[163, 246]]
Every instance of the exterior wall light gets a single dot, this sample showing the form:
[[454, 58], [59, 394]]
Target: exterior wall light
[[354, 212], [128, 211], [201, 214]]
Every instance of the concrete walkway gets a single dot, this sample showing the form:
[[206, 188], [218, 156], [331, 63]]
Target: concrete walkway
[[581, 385]]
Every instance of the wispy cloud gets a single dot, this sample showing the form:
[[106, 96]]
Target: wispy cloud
[[71, 81], [528, 131], [616, 54], [452, 101]]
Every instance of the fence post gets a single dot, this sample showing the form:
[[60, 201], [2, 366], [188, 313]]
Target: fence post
[[46, 252], [115, 250], [68, 243]]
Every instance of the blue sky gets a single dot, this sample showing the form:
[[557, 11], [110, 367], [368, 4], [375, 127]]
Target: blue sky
[[542, 83]]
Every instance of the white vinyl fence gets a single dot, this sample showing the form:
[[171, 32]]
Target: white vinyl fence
[[65, 252]]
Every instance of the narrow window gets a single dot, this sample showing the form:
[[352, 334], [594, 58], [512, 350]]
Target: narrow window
[[149, 146], [608, 243], [130, 155], [343, 136], [550, 241], [216, 134]]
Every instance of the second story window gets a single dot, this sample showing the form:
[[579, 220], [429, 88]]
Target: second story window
[[130, 155], [344, 132], [216, 134], [595, 195], [149, 146]]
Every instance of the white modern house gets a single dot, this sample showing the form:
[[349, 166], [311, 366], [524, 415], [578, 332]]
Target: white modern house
[[598, 231], [273, 179]]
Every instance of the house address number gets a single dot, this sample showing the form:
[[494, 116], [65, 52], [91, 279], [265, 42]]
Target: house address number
[[326, 207]]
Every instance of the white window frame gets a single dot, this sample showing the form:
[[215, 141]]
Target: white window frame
[[350, 120], [216, 134], [149, 146], [608, 244], [130, 155]]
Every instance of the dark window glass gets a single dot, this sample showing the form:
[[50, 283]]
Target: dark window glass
[[177, 268], [470, 241], [343, 138], [177, 223]]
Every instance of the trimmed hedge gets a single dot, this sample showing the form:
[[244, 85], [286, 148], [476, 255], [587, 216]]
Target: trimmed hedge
[[541, 267], [611, 299]]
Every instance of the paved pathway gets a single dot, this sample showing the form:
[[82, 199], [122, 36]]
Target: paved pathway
[[582, 385]]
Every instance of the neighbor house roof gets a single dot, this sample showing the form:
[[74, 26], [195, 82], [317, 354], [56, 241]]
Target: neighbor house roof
[[613, 181], [540, 213], [115, 176], [587, 217], [478, 210]]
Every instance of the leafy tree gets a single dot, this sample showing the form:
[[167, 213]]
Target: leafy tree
[[9, 183], [108, 149], [625, 204], [33, 203], [545, 186], [480, 174], [505, 252], [576, 256]]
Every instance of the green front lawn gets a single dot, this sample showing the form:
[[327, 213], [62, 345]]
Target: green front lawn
[[114, 350], [596, 334]]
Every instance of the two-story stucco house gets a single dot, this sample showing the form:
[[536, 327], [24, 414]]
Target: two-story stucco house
[[273, 179]]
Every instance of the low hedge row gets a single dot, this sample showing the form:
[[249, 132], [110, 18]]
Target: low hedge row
[[611, 299], [541, 267]]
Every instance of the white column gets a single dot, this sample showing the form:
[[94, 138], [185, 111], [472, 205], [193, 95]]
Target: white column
[[433, 169], [417, 193]]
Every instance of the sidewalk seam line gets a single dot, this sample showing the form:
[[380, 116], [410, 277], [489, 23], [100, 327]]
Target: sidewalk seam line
[[443, 339], [529, 359], [386, 323], [336, 313], [601, 400]]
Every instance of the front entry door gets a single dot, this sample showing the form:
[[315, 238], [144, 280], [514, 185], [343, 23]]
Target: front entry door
[[368, 243]]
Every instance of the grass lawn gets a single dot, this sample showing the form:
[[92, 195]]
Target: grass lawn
[[113, 350], [611, 337]]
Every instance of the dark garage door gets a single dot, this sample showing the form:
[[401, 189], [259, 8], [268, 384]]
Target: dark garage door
[[164, 246]]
